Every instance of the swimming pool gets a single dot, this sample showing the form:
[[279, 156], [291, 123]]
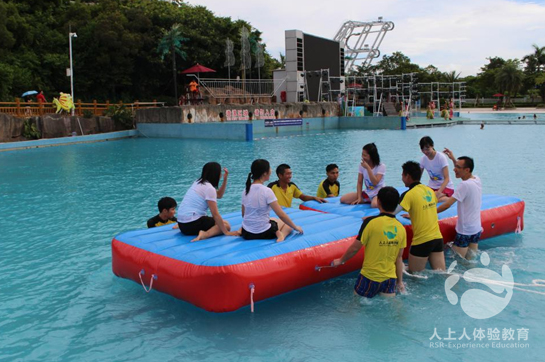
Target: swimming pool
[[498, 116], [61, 207]]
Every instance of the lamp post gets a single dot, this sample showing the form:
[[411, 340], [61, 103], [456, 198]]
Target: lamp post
[[70, 36]]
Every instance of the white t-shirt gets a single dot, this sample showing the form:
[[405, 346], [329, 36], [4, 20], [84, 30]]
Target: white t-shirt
[[370, 189], [257, 208], [468, 194], [194, 204], [435, 170]]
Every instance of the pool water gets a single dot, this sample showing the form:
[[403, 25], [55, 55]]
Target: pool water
[[498, 116], [61, 207]]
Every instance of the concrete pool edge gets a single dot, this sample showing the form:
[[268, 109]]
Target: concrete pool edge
[[63, 141]]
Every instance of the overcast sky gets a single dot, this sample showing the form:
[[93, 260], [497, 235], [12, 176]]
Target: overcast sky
[[452, 35]]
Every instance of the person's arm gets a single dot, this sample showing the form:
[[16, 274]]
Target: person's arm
[[446, 179], [359, 189], [243, 210], [349, 253], [375, 179], [221, 190], [450, 155], [400, 267], [304, 197], [284, 217], [218, 219], [445, 205]]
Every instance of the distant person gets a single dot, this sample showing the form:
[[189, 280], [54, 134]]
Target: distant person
[[535, 116], [200, 197], [482, 125], [371, 174], [330, 187], [285, 190], [167, 213], [384, 239], [523, 117], [257, 202], [436, 164], [421, 204], [468, 194], [194, 89], [40, 98]]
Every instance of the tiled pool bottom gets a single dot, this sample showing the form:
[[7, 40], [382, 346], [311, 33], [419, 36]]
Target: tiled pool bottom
[[61, 207]]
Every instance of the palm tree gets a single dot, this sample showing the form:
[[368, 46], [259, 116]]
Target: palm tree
[[451, 77], [535, 62], [171, 42], [509, 79]]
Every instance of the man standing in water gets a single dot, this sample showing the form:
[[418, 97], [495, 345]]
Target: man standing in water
[[469, 196]]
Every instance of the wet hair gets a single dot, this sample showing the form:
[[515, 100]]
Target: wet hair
[[412, 169], [331, 167], [211, 172], [389, 198], [258, 169], [468, 162], [426, 141], [166, 203], [372, 150], [281, 169]]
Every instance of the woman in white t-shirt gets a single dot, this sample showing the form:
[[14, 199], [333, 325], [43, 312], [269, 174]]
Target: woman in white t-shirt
[[436, 164], [200, 197], [257, 202], [371, 173]]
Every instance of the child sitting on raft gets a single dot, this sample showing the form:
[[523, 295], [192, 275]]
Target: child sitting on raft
[[200, 197], [371, 172], [330, 187], [436, 164], [257, 201]]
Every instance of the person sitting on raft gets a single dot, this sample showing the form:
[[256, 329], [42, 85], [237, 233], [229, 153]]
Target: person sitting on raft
[[384, 239], [330, 187], [285, 190], [257, 202], [436, 164], [371, 172], [167, 212], [202, 195]]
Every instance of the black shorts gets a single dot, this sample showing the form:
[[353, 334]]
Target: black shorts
[[192, 228], [424, 250], [267, 234]]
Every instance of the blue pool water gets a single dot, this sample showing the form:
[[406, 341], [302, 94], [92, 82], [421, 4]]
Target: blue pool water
[[498, 116], [62, 206]]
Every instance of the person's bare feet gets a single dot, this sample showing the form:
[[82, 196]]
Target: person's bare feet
[[280, 238], [201, 236]]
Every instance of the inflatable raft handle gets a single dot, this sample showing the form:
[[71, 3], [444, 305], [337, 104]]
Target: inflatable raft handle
[[319, 268], [153, 277], [518, 230], [252, 289]]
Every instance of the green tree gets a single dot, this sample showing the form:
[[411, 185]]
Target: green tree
[[171, 42], [509, 79]]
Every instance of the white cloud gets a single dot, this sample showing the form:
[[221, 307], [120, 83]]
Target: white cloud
[[450, 35]]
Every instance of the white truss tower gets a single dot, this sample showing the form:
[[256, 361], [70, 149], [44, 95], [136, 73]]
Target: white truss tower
[[356, 36]]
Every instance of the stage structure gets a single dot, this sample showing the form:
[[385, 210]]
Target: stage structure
[[387, 94], [355, 37]]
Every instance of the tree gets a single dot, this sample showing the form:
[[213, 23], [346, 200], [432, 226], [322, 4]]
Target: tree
[[451, 77], [171, 42], [509, 79]]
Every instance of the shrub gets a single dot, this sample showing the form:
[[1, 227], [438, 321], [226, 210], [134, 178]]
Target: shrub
[[121, 115], [87, 113], [30, 131]]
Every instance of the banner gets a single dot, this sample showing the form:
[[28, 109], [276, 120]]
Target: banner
[[283, 122]]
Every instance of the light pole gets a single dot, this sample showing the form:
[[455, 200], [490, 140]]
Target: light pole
[[70, 36]]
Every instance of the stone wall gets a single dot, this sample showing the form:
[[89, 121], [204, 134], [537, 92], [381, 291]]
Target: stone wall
[[55, 125], [212, 113]]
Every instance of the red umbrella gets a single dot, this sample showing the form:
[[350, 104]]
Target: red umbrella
[[498, 95], [354, 85], [198, 69]]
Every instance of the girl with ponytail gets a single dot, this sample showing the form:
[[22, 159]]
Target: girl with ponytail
[[257, 201], [200, 197]]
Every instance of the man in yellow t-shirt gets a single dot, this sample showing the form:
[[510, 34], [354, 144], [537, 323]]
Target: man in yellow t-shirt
[[330, 187], [421, 204], [285, 190], [384, 239]]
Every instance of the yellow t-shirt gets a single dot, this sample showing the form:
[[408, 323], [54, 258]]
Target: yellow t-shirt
[[421, 204], [285, 197], [325, 189], [382, 236]]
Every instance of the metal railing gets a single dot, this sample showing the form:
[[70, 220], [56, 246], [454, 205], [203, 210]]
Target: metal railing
[[31, 109], [243, 88]]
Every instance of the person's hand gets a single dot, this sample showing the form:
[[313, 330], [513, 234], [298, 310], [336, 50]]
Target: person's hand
[[176, 226], [449, 153], [298, 229], [233, 233], [336, 262], [358, 201], [438, 194], [401, 288], [225, 173], [406, 216], [320, 200], [364, 164]]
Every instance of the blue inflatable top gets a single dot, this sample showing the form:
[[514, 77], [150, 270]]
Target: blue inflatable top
[[319, 228]]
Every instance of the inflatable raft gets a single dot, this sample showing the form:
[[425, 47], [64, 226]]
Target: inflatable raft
[[223, 273]]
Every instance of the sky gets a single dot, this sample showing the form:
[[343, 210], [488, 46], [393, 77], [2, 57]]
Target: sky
[[455, 35]]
